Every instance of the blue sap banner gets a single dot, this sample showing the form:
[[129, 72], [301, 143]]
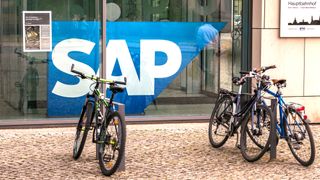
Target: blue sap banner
[[150, 54]]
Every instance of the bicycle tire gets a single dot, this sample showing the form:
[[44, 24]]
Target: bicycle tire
[[294, 139], [220, 120], [86, 117], [269, 127], [258, 149], [107, 163]]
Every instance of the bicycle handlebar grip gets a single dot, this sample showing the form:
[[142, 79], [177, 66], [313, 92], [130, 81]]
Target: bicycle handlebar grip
[[270, 67], [77, 72], [264, 68], [122, 82], [244, 72]]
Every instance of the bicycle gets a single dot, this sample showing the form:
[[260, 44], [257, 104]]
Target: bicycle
[[293, 125], [109, 132], [229, 115]]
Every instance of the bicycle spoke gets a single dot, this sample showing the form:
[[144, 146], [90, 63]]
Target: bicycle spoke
[[255, 133], [219, 121], [299, 138]]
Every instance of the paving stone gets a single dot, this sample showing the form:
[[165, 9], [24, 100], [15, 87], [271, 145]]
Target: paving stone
[[167, 151]]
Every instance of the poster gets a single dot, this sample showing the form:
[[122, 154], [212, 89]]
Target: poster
[[37, 35], [300, 18]]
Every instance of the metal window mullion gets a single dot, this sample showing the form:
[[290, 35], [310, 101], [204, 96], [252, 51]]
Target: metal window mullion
[[103, 68]]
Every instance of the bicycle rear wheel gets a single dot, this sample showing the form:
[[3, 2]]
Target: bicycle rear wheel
[[219, 122], [255, 134], [111, 144], [299, 138], [83, 128]]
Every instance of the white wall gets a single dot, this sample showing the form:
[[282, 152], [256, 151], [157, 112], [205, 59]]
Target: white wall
[[297, 59]]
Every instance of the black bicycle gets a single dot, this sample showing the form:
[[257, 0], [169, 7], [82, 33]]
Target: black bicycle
[[228, 115], [109, 130]]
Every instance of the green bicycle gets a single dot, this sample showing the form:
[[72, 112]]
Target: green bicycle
[[109, 131]]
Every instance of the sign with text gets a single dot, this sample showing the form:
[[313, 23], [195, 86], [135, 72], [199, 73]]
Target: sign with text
[[300, 18], [37, 35], [150, 54]]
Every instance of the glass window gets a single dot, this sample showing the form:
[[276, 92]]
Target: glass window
[[24, 75], [194, 88], [176, 54]]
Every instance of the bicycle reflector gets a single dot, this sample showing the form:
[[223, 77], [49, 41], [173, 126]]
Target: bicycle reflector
[[299, 108]]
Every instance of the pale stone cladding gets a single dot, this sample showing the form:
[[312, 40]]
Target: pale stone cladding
[[297, 59]]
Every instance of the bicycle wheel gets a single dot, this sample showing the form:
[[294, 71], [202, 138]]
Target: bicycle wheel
[[219, 121], [255, 134], [82, 129], [111, 144], [299, 138]]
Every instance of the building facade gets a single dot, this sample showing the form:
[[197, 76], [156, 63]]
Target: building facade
[[175, 55], [296, 58]]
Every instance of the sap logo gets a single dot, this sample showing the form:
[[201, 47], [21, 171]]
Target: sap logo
[[117, 50]]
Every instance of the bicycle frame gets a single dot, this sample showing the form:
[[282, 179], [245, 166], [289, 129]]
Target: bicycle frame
[[238, 112], [97, 99], [283, 118]]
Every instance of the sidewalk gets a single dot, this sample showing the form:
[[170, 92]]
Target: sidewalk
[[166, 151]]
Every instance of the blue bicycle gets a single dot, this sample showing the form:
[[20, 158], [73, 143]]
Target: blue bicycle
[[293, 125]]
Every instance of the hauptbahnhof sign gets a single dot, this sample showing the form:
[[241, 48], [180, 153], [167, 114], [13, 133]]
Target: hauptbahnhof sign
[[300, 18]]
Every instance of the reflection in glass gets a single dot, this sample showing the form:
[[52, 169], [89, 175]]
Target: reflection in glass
[[194, 89], [23, 76]]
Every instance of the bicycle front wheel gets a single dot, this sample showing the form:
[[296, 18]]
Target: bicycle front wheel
[[83, 128], [299, 138], [111, 144], [255, 133], [219, 122]]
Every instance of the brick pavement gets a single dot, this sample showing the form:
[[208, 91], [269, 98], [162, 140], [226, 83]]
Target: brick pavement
[[167, 151]]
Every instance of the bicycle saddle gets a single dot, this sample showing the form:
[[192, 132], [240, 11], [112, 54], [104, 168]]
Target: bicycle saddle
[[278, 81]]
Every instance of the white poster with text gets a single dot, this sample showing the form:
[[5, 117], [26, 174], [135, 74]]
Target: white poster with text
[[300, 18], [37, 36]]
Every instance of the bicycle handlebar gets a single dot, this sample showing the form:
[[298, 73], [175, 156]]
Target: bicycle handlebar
[[253, 74], [97, 79], [121, 82], [264, 68], [82, 76]]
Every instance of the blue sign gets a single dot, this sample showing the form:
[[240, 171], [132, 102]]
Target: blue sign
[[150, 54]]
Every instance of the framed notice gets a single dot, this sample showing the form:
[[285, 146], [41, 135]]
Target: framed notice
[[300, 18], [37, 35]]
